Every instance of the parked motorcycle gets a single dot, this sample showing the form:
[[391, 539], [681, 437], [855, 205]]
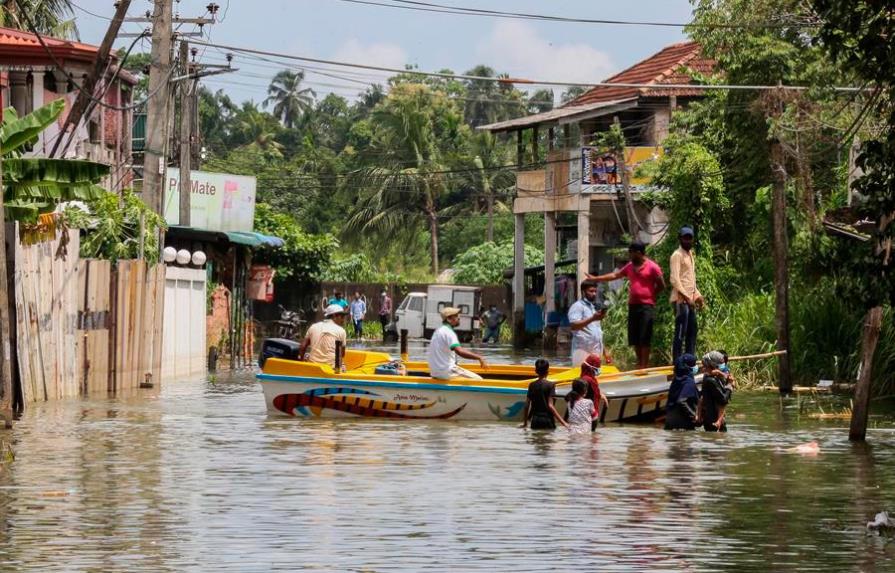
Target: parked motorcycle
[[289, 326]]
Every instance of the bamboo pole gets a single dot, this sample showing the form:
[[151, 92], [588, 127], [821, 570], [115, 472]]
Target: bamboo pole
[[872, 324]]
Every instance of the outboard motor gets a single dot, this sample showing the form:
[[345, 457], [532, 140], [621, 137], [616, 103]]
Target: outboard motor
[[278, 348]]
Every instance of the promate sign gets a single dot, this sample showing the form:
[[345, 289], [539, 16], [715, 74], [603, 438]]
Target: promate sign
[[218, 202]]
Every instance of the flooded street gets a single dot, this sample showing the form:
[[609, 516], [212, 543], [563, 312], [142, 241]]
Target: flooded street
[[196, 477]]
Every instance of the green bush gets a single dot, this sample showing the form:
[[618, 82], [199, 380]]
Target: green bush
[[485, 264]]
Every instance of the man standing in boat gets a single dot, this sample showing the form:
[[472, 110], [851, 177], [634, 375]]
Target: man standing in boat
[[584, 318], [646, 281], [322, 336], [685, 297], [445, 347]]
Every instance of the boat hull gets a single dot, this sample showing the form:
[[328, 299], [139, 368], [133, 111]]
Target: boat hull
[[632, 398]]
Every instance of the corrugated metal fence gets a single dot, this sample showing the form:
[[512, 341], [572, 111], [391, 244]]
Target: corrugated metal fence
[[83, 325]]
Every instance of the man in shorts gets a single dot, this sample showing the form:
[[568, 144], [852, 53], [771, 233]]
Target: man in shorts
[[646, 281]]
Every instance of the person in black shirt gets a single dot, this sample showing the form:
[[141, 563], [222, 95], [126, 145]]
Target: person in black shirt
[[540, 406], [715, 394], [683, 396]]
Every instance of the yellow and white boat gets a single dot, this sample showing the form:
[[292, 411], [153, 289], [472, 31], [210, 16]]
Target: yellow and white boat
[[305, 389]]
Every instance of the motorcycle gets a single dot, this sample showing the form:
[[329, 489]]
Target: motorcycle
[[289, 325]]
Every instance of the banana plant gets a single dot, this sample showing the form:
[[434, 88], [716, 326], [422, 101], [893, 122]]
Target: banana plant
[[35, 185]]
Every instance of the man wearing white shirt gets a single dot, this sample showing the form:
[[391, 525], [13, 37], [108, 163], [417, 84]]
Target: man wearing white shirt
[[445, 347]]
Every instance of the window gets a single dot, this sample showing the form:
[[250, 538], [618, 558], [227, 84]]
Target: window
[[416, 304]]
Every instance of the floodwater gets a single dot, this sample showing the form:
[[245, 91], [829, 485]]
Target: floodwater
[[197, 477]]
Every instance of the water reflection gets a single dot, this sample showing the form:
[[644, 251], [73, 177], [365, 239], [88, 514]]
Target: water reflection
[[198, 477]]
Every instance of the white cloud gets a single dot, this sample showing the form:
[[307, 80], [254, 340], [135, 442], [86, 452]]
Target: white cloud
[[375, 54], [517, 49]]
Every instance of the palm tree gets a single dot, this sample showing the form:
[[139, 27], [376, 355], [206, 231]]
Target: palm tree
[[405, 185], [290, 100], [481, 108], [490, 177], [51, 17], [540, 101]]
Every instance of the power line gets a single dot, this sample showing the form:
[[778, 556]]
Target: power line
[[465, 11], [523, 81]]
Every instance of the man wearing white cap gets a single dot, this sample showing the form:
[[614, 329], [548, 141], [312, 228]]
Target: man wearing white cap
[[322, 337], [445, 347]]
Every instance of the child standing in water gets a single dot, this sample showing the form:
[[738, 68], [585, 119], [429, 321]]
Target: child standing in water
[[580, 411], [540, 406]]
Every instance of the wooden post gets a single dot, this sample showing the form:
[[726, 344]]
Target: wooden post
[[519, 280], [781, 265], [82, 101], [520, 151], [405, 356], [549, 261], [5, 315], [338, 366], [551, 136], [534, 146], [583, 240], [857, 432], [185, 132], [566, 136]]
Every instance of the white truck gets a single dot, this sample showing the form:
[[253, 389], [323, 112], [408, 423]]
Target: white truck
[[419, 312]]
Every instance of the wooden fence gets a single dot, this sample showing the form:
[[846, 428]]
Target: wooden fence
[[83, 326]]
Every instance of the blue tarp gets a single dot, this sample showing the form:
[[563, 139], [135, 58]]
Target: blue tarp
[[254, 239]]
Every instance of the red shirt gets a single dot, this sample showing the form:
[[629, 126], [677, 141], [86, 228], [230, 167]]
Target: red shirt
[[643, 281]]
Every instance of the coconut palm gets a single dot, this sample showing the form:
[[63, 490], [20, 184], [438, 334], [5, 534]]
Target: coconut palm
[[290, 100], [51, 17], [481, 106], [404, 189], [488, 176]]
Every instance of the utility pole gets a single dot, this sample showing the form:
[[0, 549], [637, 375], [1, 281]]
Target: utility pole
[[185, 136], [156, 112]]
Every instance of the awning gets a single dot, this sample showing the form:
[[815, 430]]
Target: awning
[[251, 239], [254, 239], [561, 115]]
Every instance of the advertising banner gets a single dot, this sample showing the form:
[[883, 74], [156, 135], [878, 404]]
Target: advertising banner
[[218, 202], [601, 167]]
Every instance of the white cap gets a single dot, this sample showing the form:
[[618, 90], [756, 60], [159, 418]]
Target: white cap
[[332, 310]]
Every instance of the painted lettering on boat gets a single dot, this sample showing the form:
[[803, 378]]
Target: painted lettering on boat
[[410, 397]]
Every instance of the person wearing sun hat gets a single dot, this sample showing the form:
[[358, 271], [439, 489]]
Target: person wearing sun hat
[[322, 336], [445, 347]]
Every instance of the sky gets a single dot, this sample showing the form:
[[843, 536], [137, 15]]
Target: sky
[[339, 30]]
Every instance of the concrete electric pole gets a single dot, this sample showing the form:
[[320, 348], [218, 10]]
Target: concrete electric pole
[[157, 106]]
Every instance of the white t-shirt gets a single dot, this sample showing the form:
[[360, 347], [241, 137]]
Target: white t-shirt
[[441, 352], [323, 337]]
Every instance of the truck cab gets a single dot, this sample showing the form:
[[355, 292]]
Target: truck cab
[[420, 312]]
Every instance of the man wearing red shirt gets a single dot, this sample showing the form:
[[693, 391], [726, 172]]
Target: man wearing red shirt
[[646, 281]]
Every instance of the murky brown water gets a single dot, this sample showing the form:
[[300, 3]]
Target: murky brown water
[[197, 477]]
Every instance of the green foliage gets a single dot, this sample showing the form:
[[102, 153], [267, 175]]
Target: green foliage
[[290, 100], [486, 263], [357, 268], [50, 17], [32, 186], [111, 225], [696, 194], [303, 257]]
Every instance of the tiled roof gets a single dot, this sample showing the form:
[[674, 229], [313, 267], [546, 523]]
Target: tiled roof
[[22, 39], [663, 67]]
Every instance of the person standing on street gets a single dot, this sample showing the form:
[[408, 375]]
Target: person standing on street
[[493, 320], [685, 297], [646, 282], [385, 311], [584, 318], [358, 312]]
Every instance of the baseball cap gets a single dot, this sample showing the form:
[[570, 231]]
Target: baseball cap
[[449, 311], [333, 310], [685, 230]]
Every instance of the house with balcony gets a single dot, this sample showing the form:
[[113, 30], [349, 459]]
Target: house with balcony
[[589, 195], [33, 75]]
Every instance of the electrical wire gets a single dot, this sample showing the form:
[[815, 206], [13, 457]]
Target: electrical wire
[[465, 11], [445, 75]]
